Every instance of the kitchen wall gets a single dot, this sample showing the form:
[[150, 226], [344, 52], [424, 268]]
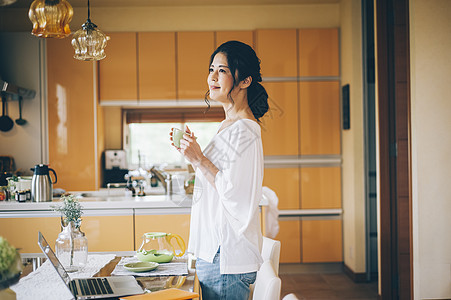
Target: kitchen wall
[[20, 60], [430, 44], [344, 15]]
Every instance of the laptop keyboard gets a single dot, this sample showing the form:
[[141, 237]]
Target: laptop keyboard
[[91, 286]]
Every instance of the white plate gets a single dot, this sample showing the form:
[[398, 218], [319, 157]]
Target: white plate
[[142, 266]]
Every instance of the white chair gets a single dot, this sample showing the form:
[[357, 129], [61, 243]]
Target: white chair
[[267, 284], [271, 251], [290, 297]]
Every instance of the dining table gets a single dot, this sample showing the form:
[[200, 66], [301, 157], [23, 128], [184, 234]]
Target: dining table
[[39, 280]]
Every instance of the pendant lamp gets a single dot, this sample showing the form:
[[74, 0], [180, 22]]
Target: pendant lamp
[[89, 42], [50, 18]]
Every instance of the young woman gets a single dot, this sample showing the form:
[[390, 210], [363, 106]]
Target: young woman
[[225, 233]]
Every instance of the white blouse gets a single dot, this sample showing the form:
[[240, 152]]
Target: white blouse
[[228, 216]]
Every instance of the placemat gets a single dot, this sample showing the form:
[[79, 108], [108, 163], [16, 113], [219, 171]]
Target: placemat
[[174, 268]]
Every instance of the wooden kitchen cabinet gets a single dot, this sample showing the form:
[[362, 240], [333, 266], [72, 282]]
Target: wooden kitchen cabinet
[[280, 130], [277, 49], [319, 112], [318, 52], [22, 232], [320, 187], [156, 65], [71, 118], [290, 238], [285, 183], [322, 241], [151, 221], [109, 230], [118, 75], [245, 36], [193, 57]]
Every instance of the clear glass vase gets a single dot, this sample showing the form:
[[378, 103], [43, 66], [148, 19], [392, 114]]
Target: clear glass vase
[[71, 247]]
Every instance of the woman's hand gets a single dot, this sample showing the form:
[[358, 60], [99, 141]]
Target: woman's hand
[[190, 148]]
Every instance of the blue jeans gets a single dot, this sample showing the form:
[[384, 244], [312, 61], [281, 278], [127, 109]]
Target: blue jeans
[[217, 286]]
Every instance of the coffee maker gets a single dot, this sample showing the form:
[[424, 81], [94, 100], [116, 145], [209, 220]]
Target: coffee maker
[[115, 167]]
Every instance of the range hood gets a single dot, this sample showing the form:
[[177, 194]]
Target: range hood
[[15, 90]]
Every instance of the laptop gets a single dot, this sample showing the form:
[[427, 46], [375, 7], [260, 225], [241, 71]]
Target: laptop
[[94, 287]]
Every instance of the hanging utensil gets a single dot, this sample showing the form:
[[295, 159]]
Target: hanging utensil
[[20, 121], [6, 123]]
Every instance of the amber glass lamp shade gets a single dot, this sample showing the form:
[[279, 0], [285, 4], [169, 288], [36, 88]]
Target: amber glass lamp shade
[[50, 18], [89, 42]]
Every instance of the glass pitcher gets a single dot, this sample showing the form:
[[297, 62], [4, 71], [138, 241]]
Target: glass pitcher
[[157, 247]]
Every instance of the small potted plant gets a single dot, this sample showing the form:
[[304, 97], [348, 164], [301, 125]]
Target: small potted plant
[[71, 210], [72, 245], [10, 269]]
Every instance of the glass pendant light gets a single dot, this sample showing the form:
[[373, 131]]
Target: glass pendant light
[[50, 18], [89, 42]]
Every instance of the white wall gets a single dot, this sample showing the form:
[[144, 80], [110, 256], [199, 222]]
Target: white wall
[[353, 174], [430, 44], [20, 64]]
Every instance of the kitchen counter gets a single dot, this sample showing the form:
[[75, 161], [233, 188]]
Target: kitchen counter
[[107, 201], [111, 220], [114, 202], [103, 205]]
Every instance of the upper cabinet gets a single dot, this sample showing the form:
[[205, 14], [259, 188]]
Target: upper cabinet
[[156, 66], [71, 118], [118, 77], [148, 66], [319, 112], [245, 36], [277, 50], [193, 56], [280, 130], [318, 52]]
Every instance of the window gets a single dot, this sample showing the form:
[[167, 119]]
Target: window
[[147, 134], [149, 143]]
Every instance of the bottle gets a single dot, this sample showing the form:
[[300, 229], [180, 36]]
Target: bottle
[[130, 189]]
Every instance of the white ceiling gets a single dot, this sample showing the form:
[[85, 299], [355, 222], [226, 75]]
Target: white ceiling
[[120, 3]]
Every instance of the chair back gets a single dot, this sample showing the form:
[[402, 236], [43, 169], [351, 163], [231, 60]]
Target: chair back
[[271, 251], [290, 297], [267, 284]]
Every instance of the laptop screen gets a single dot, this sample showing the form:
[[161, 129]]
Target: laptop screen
[[53, 259]]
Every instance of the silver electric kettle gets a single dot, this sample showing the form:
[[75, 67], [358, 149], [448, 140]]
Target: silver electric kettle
[[41, 184]]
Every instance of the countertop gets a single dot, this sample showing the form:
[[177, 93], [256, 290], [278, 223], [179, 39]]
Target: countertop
[[106, 200], [103, 200]]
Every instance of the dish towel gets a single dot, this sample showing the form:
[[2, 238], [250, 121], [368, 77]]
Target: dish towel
[[272, 213], [45, 283]]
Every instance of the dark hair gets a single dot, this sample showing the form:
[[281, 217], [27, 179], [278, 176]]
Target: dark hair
[[243, 61]]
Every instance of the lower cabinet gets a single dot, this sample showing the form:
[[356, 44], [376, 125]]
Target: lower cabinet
[[310, 240], [321, 241], [289, 237], [108, 230], [306, 239], [303, 240], [21, 231], [155, 220]]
